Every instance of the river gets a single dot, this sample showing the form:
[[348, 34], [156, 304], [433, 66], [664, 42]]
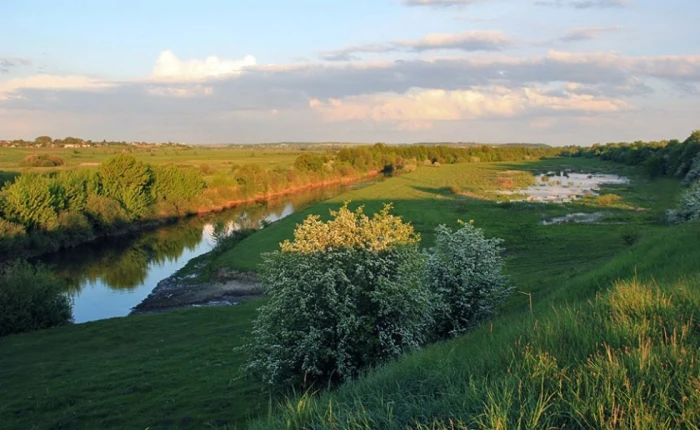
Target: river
[[108, 277]]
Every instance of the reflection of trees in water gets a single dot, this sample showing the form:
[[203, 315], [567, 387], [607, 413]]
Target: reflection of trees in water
[[122, 263]]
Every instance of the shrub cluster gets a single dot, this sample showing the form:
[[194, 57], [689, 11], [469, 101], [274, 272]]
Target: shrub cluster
[[42, 160], [46, 212], [31, 299], [688, 208], [356, 291]]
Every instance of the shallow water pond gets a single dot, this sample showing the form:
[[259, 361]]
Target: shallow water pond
[[563, 187]]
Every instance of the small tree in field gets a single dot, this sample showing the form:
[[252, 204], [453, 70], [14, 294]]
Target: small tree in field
[[343, 295], [465, 270]]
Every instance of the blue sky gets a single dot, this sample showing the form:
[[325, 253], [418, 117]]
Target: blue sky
[[554, 71]]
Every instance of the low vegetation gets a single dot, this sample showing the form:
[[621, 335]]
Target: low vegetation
[[31, 298], [42, 160]]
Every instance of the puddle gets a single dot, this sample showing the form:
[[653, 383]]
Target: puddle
[[563, 187], [575, 218]]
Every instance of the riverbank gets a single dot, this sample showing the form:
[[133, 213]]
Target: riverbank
[[56, 241], [178, 292]]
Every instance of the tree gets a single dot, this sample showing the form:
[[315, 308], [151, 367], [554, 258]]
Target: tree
[[345, 294], [465, 270], [43, 140], [128, 181], [32, 200]]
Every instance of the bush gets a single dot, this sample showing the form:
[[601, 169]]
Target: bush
[[694, 173], [465, 269], [344, 295], [106, 213], [689, 207], [32, 200], [31, 299], [43, 160], [128, 181]]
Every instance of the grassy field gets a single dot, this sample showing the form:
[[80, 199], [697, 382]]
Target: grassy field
[[180, 370], [210, 160]]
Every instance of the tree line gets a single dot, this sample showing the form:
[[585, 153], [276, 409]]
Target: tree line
[[660, 158]]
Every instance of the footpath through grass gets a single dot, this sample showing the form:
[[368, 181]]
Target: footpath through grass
[[180, 370]]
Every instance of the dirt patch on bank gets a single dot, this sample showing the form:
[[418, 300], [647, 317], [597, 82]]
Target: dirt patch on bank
[[175, 292]]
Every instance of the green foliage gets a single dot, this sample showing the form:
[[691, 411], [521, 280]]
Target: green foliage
[[665, 158], [465, 269], [32, 200], [175, 184], [105, 212], [310, 163], [335, 308], [128, 181], [42, 160], [31, 299], [688, 208]]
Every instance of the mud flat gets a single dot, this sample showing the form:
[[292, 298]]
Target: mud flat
[[176, 292]]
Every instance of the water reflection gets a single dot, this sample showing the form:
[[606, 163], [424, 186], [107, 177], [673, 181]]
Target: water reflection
[[109, 277]]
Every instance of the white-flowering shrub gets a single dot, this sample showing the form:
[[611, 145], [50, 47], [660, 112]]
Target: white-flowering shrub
[[689, 207], [694, 173], [339, 302], [465, 269]]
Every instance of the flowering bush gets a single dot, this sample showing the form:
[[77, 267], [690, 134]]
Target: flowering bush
[[689, 207], [355, 291], [343, 295], [694, 172], [465, 270]]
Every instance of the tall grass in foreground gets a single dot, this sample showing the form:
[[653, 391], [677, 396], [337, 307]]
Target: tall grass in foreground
[[609, 349]]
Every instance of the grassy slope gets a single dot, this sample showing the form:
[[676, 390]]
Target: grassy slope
[[179, 370], [611, 342], [176, 370]]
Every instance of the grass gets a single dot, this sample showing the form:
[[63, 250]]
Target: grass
[[175, 370], [179, 370], [210, 160]]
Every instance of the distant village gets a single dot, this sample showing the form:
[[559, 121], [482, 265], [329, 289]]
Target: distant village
[[74, 142]]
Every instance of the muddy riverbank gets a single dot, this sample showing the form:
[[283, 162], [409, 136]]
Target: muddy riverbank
[[178, 292]]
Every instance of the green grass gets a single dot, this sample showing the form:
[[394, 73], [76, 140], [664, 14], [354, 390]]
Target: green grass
[[215, 159], [175, 370], [179, 370]]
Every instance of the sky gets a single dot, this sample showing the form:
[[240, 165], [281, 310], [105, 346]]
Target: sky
[[398, 71]]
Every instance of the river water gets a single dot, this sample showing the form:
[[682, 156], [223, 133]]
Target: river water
[[110, 276]]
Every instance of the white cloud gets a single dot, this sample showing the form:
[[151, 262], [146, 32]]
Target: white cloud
[[50, 82], [469, 41], [587, 33], [425, 106], [170, 67]]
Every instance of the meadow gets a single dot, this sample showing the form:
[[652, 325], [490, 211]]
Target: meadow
[[214, 157], [180, 370]]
